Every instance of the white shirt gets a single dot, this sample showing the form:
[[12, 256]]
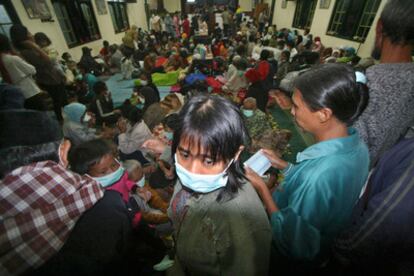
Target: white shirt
[[133, 138], [21, 74], [276, 52]]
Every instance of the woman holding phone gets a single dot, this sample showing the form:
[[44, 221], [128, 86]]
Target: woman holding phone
[[316, 198]]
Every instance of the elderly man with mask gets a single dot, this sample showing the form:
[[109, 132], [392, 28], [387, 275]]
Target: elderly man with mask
[[53, 221], [257, 122]]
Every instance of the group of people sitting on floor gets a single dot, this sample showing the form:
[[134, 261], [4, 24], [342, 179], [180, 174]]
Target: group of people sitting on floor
[[159, 183]]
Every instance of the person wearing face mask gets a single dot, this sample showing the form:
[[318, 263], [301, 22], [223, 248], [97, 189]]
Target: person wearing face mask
[[152, 206], [154, 212], [58, 216], [133, 132], [257, 122], [236, 81], [220, 224], [95, 158], [78, 124]]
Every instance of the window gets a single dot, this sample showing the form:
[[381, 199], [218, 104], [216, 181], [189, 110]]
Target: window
[[304, 12], [8, 18], [77, 21], [352, 19], [119, 16]]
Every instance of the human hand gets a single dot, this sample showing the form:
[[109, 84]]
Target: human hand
[[256, 181], [117, 111], [154, 145], [275, 160]]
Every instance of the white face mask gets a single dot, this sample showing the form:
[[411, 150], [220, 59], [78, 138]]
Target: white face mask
[[141, 183], [144, 82], [202, 183], [87, 118]]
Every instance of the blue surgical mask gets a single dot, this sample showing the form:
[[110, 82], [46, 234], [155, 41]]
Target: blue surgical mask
[[141, 99], [169, 135], [141, 182], [201, 183], [110, 179], [140, 106], [248, 112]]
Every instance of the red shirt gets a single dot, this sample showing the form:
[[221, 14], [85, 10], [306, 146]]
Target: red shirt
[[186, 27]]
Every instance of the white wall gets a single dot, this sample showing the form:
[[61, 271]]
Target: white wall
[[172, 5], [246, 5], [283, 18], [136, 15]]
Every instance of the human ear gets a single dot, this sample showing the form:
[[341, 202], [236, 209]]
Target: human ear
[[324, 115], [63, 152], [378, 34]]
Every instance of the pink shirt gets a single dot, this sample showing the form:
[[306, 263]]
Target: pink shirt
[[123, 186]]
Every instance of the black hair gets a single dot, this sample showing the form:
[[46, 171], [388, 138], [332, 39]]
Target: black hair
[[105, 43], [19, 156], [287, 54], [99, 87], [42, 37], [171, 121], [334, 86], [87, 154], [281, 44], [18, 34], [264, 54], [134, 115], [398, 21], [5, 45], [216, 125], [65, 55]]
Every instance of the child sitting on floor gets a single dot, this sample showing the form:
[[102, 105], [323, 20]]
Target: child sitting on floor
[[152, 206]]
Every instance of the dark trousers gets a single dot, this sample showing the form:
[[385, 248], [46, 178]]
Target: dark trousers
[[226, 29], [58, 94], [260, 93], [261, 27]]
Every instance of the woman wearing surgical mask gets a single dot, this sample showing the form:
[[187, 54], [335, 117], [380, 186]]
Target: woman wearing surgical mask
[[220, 225], [133, 133], [78, 125]]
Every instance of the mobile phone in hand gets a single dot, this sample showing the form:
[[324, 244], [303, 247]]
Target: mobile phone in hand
[[259, 163]]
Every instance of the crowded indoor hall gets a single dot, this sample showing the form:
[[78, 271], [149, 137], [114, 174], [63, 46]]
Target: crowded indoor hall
[[206, 137]]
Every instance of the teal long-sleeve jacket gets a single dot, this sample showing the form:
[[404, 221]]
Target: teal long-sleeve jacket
[[315, 200]]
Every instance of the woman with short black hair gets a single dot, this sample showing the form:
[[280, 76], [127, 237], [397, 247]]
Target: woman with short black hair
[[221, 227]]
